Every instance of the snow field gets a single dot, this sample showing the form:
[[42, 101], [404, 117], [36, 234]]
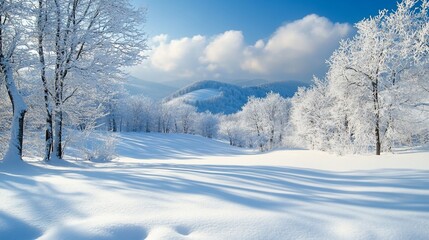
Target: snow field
[[189, 187]]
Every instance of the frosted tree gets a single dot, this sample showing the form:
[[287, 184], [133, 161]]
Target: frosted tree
[[229, 128], [184, 116], [374, 93], [82, 40], [267, 117], [254, 118], [207, 125], [138, 113], [407, 33], [311, 117], [363, 69], [165, 118], [275, 110], [11, 32], [149, 111], [379, 71]]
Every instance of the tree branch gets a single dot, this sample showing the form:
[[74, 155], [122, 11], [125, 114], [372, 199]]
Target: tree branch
[[71, 95]]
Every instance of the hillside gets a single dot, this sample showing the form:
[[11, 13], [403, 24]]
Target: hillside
[[188, 187], [220, 97]]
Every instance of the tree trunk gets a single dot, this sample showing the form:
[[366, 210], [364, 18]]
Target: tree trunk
[[120, 124], [377, 137], [114, 127], [272, 139], [377, 117], [147, 126], [19, 107], [58, 86], [48, 136], [58, 151], [48, 132]]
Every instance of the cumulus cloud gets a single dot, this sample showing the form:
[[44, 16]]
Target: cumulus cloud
[[225, 52], [297, 47], [295, 51], [179, 55]]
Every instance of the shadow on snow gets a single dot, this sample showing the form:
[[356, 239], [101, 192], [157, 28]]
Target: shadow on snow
[[260, 187], [172, 146], [270, 188]]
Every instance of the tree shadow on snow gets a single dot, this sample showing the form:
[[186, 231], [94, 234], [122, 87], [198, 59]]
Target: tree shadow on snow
[[269, 188], [259, 187], [173, 146], [273, 188], [14, 228], [43, 199]]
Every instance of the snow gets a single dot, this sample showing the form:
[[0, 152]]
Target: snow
[[188, 187], [200, 95]]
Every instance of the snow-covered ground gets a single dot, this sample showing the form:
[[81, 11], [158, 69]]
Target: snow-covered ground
[[189, 187]]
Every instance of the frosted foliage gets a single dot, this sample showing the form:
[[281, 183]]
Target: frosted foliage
[[182, 117], [143, 114], [94, 146], [68, 58], [261, 123], [375, 94], [12, 29], [73, 47], [208, 125], [310, 117], [231, 130]]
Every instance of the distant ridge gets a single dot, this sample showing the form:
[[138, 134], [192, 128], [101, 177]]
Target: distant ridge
[[220, 97]]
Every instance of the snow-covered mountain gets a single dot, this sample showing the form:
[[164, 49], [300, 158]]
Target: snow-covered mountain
[[220, 97]]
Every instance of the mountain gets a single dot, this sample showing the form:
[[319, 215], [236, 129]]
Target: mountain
[[157, 91], [246, 82], [239, 82], [220, 97], [285, 89]]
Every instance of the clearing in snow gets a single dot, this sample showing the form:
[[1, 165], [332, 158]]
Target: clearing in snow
[[189, 187]]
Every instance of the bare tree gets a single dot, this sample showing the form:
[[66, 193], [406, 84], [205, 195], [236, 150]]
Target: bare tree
[[91, 40], [10, 31]]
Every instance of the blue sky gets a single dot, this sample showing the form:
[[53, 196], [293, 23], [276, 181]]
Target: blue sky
[[185, 35], [256, 18]]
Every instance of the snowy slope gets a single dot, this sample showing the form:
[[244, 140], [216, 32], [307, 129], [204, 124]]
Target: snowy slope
[[206, 94], [188, 187]]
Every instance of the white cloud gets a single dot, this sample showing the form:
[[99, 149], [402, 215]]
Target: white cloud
[[224, 52], [295, 51], [177, 54], [296, 48]]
